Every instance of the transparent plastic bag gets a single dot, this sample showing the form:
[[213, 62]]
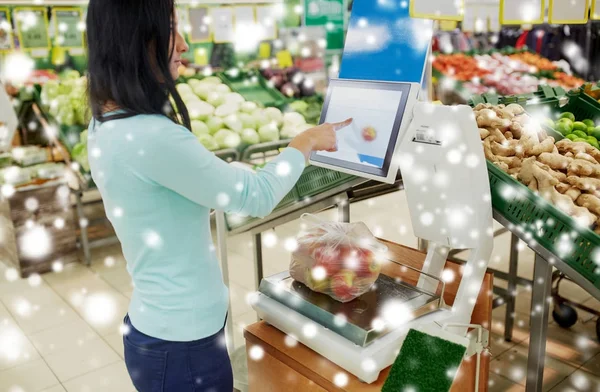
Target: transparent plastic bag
[[339, 259]]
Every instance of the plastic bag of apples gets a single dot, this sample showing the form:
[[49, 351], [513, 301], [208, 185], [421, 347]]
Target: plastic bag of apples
[[342, 260]]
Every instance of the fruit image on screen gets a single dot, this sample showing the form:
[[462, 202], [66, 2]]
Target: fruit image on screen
[[369, 134]]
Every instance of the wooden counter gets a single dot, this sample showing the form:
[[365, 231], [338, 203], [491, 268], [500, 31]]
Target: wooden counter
[[299, 369]]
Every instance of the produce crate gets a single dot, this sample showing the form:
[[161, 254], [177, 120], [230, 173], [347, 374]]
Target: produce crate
[[550, 227], [543, 94], [236, 221], [317, 180], [253, 87]]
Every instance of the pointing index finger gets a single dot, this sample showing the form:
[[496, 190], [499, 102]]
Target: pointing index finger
[[343, 124]]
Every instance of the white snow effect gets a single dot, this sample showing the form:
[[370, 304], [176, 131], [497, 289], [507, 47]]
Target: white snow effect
[[340, 379], [59, 223], [124, 329], [96, 152], [12, 342], [451, 373], [448, 275], [23, 307], [11, 274], [256, 353], [427, 218], [291, 341], [117, 212], [32, 204], [57, 266], [7, 190], [368, 365], [564, 246], [378, 324], [517, 373], [310, 330], [457, 218], [252, 298], [377, 38], [340, 320], [396, 314], [581, 381], [472, 161], [283, 169], [454, 157], [83, 222], [290, 244], [239, 187], [109, 261], [319, 273], [100, 309], [34, 280], [270, 239], [35, 242], [363, 22], [223, 200], [152, 239]]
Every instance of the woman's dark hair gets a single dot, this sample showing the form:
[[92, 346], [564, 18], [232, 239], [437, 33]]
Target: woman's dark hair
[[128, 44]]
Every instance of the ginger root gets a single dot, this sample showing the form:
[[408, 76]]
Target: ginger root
[[590, 202], [586, 157], [566, 204], [554, 161], [562, 187], [573, 193], [545, 146], [498, 136], [508, 149], [583, 168], [508, 135], [566, 145], [487, 118], [531, 169], [483, 133], [512, 162], [585, 184]]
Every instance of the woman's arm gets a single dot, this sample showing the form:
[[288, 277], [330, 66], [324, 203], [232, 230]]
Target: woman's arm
[[176, 160]]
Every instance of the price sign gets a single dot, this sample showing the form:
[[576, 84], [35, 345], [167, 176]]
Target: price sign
[[201, 56], [448, 25], [568, 12], [437, 9], [264, 50], [69, 26], [284, 58], [32, 28], [222, 23], [469, 23], [199, 25], [596, 9], [266, 17], [519, 12], [332, 15], [6, 34]]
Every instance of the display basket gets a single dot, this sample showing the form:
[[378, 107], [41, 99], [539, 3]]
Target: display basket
[[253, 87], [316, 180]]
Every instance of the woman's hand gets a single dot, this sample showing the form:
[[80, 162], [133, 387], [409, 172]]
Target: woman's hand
[[320, 138]]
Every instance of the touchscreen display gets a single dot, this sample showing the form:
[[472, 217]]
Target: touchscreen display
[[364, 142]]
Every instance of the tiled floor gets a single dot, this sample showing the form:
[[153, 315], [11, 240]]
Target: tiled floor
[[62, 333]]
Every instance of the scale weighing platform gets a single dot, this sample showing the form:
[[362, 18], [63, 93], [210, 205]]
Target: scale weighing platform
[[364, 336]]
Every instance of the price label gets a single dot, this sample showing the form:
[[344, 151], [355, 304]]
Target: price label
[[199, 25], [519, 12], [32, 28], [266, 18], [201, 56], [6, 34], [568, 12], [222, 23], [448, 25], [437, 9], [68, 27], [264, 50], [285, 59]]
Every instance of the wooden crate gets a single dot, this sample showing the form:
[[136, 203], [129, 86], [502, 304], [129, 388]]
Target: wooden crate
[[26, 252]]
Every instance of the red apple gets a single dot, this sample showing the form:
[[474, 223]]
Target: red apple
[[369, 134], [321, 286], [329, 258], [368, 266], [342, 286]]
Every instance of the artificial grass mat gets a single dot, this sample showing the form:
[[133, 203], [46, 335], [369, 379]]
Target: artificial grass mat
[[425, 364]]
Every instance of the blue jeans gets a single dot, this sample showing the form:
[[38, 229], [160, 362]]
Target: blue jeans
[[157, 365]]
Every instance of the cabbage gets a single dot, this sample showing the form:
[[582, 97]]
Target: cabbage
[[66, 116], [247, 120], [211, 80], [198, 128], [203, 90], [268, 133], [215, 99], [299, 106], [80, 155], [293, 118], [227, 109], [250, 136], [214, 124], [223, 89], [261, 118], [234, 98], [208, 142], [183, 88], [227, 139], [248, 107], [289, 132], [234, 123], [275, 115], [187, 97], [83, 137], [200, 110]]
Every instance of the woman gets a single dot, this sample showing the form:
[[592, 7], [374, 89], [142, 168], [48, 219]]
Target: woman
[[159, 184]]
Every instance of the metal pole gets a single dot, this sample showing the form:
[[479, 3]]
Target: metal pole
[[258, 259], [542, 282], [83, 233], [512, 287], [344, 209], [222, 253]]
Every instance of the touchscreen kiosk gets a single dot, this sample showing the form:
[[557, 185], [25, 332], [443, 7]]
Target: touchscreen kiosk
[[381, 113]]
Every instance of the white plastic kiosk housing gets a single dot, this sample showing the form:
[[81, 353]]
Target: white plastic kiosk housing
[[443, 166]]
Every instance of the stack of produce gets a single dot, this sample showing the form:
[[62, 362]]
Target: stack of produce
[[535, 60], [290, 81], [66, 99], [567, 174], [223, 119], [567, 81], [80, 152], [585, 131], [459, 66]]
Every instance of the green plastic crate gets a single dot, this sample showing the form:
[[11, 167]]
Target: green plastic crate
[[550, 227], [253, 87], [543, 94], [317, 180]]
